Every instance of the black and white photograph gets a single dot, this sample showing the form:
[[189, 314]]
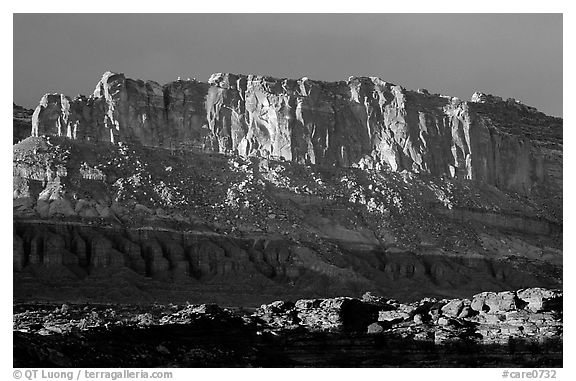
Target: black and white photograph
[[286, 190]]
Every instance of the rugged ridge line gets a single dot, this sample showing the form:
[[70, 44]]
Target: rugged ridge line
[[363, 122]]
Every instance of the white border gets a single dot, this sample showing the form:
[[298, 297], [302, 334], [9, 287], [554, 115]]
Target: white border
[[304, 6]]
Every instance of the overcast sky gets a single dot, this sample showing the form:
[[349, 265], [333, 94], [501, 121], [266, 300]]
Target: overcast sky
[[518, 56]]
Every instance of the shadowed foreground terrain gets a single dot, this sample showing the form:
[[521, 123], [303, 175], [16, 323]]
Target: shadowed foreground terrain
[[490, 330]]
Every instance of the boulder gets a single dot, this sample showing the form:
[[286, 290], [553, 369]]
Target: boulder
[[443, 321], [418, 319], [368, 297], [539, 299], [493, 302], [347, 314], [375, 328], [453, 308]]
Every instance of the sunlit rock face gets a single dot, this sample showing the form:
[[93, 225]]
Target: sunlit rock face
[[364, 122]]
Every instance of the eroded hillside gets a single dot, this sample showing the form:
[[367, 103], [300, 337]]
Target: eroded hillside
[[133, 223]]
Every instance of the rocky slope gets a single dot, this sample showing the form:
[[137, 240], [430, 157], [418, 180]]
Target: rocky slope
[[211, 227]]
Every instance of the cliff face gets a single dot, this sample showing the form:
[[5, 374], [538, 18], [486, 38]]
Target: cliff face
[[363, 122]]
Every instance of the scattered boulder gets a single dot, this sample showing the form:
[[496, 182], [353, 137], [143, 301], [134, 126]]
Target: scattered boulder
[[347, 314], [418, 319], [540, 299], [493, 302], [375, 328], [443, 321], [453, 308]]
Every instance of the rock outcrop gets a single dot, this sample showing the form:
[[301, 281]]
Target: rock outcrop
[[363, 122], [506, 318], [22, 123], [154, 264]]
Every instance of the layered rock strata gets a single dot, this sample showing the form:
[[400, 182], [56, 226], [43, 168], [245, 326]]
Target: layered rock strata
[[153, 264]]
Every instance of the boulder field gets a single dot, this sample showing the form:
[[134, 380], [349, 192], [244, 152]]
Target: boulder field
[[513, 329]]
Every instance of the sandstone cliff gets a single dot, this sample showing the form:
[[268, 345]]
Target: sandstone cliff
[[220, 190], [363, 122]]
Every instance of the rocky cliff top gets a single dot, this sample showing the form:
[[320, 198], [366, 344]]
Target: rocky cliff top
[[363, 121]]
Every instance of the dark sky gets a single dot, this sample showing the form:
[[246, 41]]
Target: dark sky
[[510, 55]]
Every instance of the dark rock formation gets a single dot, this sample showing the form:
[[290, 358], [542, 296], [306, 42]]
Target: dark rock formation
[[173, 266], [363, 122], [22, 123]]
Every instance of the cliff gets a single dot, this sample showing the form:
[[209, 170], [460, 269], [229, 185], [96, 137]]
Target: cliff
[[248, 188], [363, 122]]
